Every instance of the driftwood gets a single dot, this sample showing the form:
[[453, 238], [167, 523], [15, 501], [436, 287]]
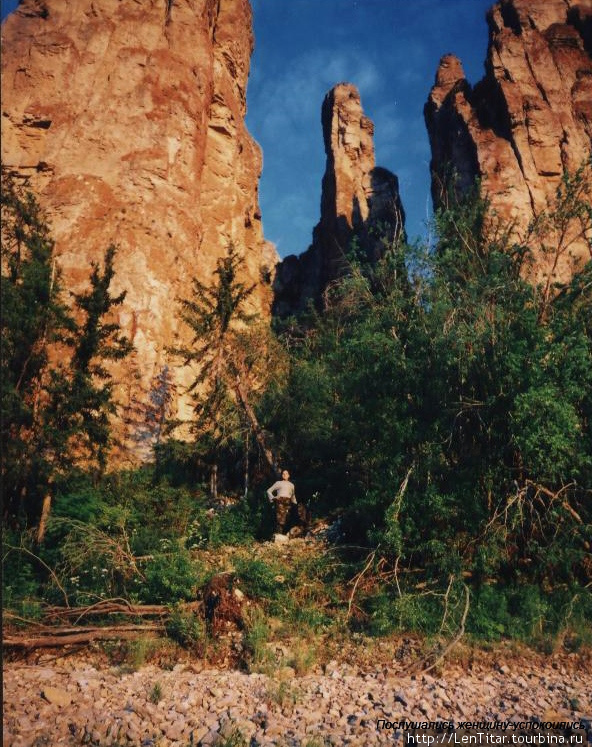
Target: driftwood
[[112, 607], [67, 636], [41, 635]]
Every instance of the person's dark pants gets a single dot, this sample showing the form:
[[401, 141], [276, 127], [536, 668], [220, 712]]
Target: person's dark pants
[[282, 509]]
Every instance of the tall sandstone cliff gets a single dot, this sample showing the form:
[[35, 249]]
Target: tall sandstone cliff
[[524, 123], [358, 199], [127, 120]]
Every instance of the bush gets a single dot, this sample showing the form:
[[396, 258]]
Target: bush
[[258, 656], [260, 580], [444, 403], [171, 577], [390, 613], [489, 618], [235, 525], [186, 629], [20, 574]]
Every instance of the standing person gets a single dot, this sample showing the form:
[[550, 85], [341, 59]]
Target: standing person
[[283, 494]]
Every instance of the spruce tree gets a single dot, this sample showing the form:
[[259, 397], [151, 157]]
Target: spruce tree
[[230, 355], [81, 402], [34, 318], [57, 394]]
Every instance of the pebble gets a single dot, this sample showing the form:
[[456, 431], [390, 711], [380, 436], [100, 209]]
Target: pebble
[[55, 696], [342, 706]]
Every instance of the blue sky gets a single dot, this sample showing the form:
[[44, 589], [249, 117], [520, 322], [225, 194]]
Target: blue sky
[[390, 50]]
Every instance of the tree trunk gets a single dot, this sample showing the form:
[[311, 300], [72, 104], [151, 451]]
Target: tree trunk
[[87, 635], [214, 482], [257, 430], [246, 465], [45, 511]]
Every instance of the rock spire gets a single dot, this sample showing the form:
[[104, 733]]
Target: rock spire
[[357, 197], [525, 122]]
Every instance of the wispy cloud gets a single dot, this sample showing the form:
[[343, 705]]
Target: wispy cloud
[[390, 50], [290, 101]]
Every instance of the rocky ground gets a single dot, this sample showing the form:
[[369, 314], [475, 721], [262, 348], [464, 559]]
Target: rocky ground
[[75, 700]]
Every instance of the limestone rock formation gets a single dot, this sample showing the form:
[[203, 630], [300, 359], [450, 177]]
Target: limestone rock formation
[[358, 200], [525, 122], [127, 121]]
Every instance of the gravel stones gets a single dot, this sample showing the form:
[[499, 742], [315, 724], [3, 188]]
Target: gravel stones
[[55, 696], [341, 705]]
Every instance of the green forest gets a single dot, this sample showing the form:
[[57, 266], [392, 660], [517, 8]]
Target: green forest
[[435, 415]]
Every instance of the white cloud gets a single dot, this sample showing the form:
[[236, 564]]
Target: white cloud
[[288, 102]]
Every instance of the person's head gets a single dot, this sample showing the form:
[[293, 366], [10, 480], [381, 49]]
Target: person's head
[[285, 474]]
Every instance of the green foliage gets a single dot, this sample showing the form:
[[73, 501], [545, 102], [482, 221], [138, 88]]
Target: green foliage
[[55, 408], [135, 653], [234, 738], [21, 584], [125, 536], [529, 614], [235, 525], [84, 403], [186, 629], [258, 656], [33, 318], [170, 577], [446, 411], [259, 579], [231, 357], [440, 405], [547, 431], [155, 695], [213, 314], [389, 613], [180, 463]]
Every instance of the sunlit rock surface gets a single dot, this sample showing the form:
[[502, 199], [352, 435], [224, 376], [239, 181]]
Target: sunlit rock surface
[[358, 200], [127, 121], [524, 123]]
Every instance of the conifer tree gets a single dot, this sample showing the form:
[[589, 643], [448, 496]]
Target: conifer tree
[[57, 394], [81, 401], [33, 318], [230, 353]]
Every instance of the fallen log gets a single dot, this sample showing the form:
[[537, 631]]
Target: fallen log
[[41, 635], [114, 607], [68, 636]]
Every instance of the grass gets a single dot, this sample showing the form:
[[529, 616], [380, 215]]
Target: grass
[[234, 738], [258, 655], [303, 606], [155, 695]]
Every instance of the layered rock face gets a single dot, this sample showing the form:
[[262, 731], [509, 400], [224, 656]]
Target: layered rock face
[[358, 200], [524, 123], [127, 120]]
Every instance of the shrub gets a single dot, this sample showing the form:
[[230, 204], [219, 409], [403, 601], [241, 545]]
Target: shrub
[[235, 525], [186, 629], [234, 738], [171, 577], [410, 612], [302, 658], [259, 580], [155, 695], [137, 652], [20, 576], [258, 656]]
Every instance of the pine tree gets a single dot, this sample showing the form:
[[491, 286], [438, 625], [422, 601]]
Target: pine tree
[[81, 401], [33, 319], [57, 395], [230, 354]]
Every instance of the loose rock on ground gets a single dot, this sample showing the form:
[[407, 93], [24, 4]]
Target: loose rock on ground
[[73, 701]]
